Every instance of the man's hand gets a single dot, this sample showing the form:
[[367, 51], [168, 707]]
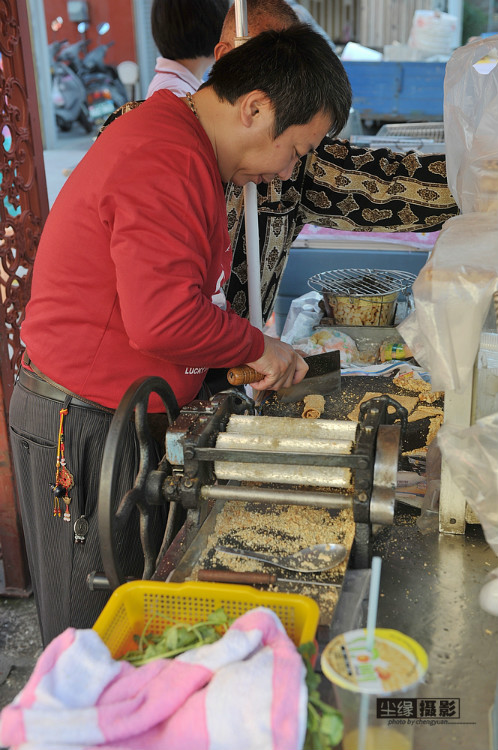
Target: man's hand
[[280, 364]]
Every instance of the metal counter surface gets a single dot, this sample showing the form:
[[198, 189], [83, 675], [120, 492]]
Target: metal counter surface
[[430, 586]]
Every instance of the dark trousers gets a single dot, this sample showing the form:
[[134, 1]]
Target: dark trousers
[[59, 567]]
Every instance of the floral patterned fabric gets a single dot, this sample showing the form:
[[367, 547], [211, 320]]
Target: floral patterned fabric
[[338, 186]]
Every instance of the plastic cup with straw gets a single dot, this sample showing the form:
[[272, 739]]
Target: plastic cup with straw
[[368, 666]]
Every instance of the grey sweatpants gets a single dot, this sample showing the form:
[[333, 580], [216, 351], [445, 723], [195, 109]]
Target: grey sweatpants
[[59, 566]]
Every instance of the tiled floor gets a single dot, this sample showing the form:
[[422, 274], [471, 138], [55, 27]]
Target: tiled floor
[[60, 161]]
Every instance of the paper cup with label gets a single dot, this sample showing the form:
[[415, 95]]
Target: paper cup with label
[[375, 690]]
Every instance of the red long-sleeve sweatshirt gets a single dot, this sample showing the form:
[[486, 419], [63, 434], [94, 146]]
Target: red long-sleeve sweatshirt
[[129, 269]]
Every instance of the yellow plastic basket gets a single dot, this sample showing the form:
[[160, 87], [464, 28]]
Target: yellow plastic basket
[[156, 604]]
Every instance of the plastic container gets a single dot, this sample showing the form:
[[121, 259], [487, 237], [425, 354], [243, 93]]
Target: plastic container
[[361, 296], [156, 604], [394, 350], [392, 670], [434, 32], [357, 52], [377, 310], [486, 376]]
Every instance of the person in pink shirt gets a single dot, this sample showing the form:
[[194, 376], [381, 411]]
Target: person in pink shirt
[[185, 33]]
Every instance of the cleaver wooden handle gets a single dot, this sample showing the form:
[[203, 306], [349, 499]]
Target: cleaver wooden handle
[[243, 375], [232, 576]]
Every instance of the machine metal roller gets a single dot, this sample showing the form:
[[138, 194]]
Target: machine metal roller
[[278, 447]]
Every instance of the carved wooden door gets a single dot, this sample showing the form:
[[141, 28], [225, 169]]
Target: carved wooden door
[[23, 210]]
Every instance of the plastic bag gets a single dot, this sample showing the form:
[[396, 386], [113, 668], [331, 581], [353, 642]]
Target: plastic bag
[[470, 117], [328, 340], [304, 314], [472, 457], [471, 454], [452, 294]]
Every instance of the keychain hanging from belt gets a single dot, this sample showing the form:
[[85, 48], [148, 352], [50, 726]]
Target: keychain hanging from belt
[[64, 480]]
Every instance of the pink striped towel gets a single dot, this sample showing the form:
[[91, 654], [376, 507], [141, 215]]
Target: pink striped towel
[[246, 691]]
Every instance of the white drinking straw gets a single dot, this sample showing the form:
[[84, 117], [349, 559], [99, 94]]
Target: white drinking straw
[[373, 601]]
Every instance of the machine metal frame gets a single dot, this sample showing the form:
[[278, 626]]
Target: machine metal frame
[[185, 476]]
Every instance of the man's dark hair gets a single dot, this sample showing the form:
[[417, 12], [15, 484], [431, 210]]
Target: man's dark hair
[[295, 68], [185, 29]]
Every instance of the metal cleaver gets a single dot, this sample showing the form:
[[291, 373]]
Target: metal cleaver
[[323, 377]]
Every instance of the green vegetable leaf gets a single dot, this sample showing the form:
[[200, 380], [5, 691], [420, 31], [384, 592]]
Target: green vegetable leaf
[[332, 727], [218, 617], [153, 651], [324, 726], [307, 651], [186, 637], [170, 638]]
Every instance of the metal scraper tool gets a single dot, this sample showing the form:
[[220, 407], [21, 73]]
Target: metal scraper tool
[[323, 377]]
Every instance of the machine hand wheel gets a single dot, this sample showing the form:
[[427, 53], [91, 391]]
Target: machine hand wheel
[[113, 512]]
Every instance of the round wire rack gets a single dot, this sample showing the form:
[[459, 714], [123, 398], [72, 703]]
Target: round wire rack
[[362, 296], [361, 282]]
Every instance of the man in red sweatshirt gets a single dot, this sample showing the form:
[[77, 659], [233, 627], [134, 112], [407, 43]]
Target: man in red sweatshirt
[[128, 282]]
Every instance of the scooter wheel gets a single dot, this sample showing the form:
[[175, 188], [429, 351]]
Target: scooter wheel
[[63, 125], [84, 119]]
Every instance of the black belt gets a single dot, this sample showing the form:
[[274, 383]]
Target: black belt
[[35, 384]]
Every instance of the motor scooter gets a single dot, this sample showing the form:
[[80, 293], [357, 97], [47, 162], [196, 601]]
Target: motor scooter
[[105, 91], [68, 93], [73, 54]]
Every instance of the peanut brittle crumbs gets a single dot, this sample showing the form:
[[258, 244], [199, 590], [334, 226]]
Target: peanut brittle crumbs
[[416, 452], [418, 407], [430, 396], [434, 426], [409, 402], [326, 598], [407, 381], [354, 414], [280, 529], [422, 412], [435, 422]]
